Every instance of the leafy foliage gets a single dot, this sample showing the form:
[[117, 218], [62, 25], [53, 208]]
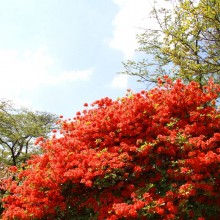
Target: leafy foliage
[[149, 155], [186, 44], [18, 130]]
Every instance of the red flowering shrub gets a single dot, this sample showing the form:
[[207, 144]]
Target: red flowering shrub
[[150, 155]]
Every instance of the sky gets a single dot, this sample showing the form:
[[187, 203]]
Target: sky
[[57, 55]]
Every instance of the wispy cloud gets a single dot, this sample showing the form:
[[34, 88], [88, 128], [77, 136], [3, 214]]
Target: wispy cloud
[[120, 82], [70, 76], [22, 70], [132, 17], [25, 71]]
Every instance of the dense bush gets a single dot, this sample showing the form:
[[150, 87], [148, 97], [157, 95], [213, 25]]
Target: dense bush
[[150, 155]]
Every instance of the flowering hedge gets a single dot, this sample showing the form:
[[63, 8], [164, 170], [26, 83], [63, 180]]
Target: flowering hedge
[[149, 155]]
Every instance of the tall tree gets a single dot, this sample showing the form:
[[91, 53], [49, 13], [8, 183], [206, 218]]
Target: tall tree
[[186, 44], [18, 130]]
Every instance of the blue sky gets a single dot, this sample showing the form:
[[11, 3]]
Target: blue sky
[[56, 55]]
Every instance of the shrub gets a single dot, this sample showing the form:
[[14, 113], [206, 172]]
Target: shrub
[[149, 155]]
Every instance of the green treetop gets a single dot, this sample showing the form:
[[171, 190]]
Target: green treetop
[[186, 45], [18, 130]]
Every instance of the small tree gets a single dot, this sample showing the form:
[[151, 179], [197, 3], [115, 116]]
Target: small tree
[[18, 130], [150, 155]]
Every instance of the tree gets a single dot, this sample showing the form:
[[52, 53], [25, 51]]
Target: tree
[[149, 155], [18, 130], [186, 45]]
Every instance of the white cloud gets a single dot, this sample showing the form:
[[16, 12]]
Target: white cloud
[[132, 17], [120, 82], [69, 76], [22, 71], [25, 71]]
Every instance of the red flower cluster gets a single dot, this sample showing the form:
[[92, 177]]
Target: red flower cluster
[[150, 155]]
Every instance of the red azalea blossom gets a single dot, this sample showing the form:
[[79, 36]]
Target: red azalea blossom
[[149, 155]]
